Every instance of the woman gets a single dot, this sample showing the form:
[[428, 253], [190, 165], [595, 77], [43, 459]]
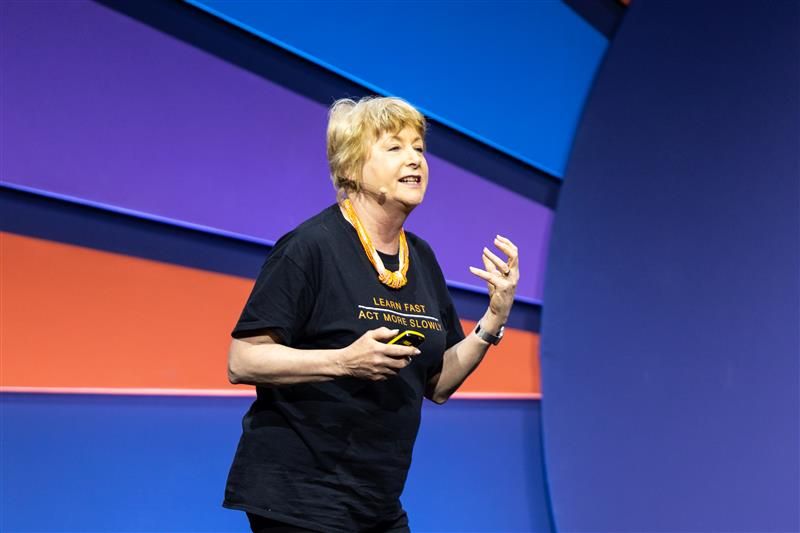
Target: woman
[[327, 444]]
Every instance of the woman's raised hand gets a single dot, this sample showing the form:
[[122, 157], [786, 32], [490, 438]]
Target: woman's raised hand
[[371, 358], [501, 277]]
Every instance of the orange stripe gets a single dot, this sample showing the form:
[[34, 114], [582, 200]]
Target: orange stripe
[[77, 318], [511, 367]]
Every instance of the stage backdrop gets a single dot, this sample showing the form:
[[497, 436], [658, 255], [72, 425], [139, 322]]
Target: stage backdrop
[[670, 334], [151, 154]]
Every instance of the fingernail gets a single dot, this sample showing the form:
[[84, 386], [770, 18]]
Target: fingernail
[[417, 352]]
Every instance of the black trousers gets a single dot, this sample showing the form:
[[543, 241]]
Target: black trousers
[[260, 524]]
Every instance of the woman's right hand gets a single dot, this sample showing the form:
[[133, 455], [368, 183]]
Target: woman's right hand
[[371, 358]]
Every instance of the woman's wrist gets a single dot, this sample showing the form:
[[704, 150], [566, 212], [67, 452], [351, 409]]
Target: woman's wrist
[[492, 322], [336, 362]]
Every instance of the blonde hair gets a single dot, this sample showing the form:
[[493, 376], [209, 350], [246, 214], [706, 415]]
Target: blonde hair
[[354, 126]]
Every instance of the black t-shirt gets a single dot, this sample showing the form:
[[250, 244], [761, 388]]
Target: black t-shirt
[[334, 455]]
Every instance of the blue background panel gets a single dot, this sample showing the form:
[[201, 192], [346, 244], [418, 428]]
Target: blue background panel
[[676, 409], [512, 74], [158, 463]]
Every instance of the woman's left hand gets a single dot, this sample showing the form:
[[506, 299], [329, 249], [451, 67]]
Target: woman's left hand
[[501, 277]]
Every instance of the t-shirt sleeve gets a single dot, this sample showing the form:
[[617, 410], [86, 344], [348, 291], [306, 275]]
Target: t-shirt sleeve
[[281, 300], [447, 310], [450, 320], [452, 324]]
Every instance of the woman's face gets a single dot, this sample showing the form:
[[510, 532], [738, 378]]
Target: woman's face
[[396, 167]]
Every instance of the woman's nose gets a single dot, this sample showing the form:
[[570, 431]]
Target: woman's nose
[[415, 158]]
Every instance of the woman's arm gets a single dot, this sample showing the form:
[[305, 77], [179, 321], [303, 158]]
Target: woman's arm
[[462, 358], [262, 360]]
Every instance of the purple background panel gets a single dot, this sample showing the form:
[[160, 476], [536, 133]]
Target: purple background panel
[[103, 108], [462, 213]]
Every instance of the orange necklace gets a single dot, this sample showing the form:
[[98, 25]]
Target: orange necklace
[[394, 279]]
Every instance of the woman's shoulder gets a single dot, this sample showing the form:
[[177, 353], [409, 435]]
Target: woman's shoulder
[[320, 225], [306, 239]]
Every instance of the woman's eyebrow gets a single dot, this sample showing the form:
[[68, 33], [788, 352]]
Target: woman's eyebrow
[[396, 138]]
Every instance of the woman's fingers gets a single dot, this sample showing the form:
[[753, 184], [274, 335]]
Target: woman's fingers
[[488, 266], [510, 249], [382, 334], [481, 273], [495, 261], [492, 278], [397, 351], [506, 246], [506, 242], [497, 272]]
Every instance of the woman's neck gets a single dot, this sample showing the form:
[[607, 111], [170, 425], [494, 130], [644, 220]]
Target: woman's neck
[[382, 225]]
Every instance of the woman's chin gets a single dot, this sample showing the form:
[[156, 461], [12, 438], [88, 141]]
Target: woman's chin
[[410, 201], [411, 196]]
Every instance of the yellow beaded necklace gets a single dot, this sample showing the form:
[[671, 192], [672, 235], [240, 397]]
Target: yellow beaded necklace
[[394, 279]]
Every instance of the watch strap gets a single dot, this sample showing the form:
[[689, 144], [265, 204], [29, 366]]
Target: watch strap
[[488, 337]]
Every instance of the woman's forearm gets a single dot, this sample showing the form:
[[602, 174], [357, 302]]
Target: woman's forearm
[[262, 360], [265, 362], [461, 359]]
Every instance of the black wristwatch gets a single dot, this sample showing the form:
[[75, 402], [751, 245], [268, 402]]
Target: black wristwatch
[[488, 337]]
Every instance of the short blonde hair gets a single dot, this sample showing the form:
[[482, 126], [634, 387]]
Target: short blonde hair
[[354, 126]]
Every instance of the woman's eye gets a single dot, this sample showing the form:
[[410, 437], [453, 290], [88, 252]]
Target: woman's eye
[[419, 149], [394, 148]]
